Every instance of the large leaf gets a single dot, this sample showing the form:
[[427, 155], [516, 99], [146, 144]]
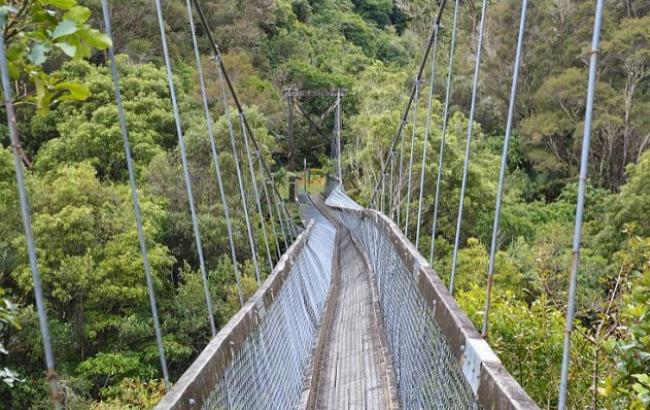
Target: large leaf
[[96, 39], [61, 4], [37, 54], [69, 49], [78, 14], [76, 91], [64, 28]]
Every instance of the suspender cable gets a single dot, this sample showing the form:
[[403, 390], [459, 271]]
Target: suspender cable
[[240, 179], [134, 195], [570, 312], [400, 181], [186, 172], [468, 145], [504, 164], [427, 130], [256, 192], [443, 135], [269, 207], [53, 379], [391, 186], [383, 192], [410, 101], [282, 210], [291, 227], [338, 135], [278, 212], [215, 155], [413, 136], [240, 110]]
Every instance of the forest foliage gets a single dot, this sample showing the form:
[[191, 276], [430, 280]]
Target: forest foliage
[[83, 220]]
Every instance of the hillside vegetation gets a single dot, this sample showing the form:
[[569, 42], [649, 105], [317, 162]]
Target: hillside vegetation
[[90, 262]]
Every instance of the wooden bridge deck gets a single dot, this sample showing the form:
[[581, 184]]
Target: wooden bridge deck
[[354, 373]]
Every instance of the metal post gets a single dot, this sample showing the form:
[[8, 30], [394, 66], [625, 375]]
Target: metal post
[[134, 195], [215, 155], [470, 122], [443, 135], [186, 173], [504, 165], [427, 130], [413, 136], [240, 179], [52, 377], [570, 312]]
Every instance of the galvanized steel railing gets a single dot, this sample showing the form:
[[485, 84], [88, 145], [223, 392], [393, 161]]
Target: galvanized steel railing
[[440, 360], [259, 360]]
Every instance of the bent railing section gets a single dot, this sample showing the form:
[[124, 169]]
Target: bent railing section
[[259, 359], [440, 360]]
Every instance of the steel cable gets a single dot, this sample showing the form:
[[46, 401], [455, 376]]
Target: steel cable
[[582, 182], [52, 377], [256, 193], [413, 138], [215, 155], [468, 145], [443, 135], [186, 172], [504, 164], [134, 194], [427, 130], [240, 179]]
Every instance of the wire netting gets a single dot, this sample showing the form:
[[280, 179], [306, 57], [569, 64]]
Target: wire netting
[[427, 374], [268, 372]]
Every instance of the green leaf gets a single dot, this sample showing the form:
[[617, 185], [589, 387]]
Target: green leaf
[[14, 73], [64, 28], [67, 48], [43, 94], [76, 91], [37, 54], [61, 4], [97, 39], [78, 14]]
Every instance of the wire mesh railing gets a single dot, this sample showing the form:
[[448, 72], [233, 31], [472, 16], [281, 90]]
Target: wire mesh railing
[[426, 371], [259, 360], [440, 361], [262, 359]]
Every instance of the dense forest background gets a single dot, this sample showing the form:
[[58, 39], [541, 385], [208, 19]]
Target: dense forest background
[[86, 237]]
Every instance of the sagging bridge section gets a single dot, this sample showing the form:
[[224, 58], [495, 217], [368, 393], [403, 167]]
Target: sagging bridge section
[[352, 317]]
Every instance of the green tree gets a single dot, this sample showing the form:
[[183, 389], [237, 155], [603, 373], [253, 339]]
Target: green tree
[[76, 132]]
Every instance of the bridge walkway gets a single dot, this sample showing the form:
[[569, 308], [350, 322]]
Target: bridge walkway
[[355, 371]]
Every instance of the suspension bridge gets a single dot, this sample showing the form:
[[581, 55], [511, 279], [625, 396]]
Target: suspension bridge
[[352, 315]]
